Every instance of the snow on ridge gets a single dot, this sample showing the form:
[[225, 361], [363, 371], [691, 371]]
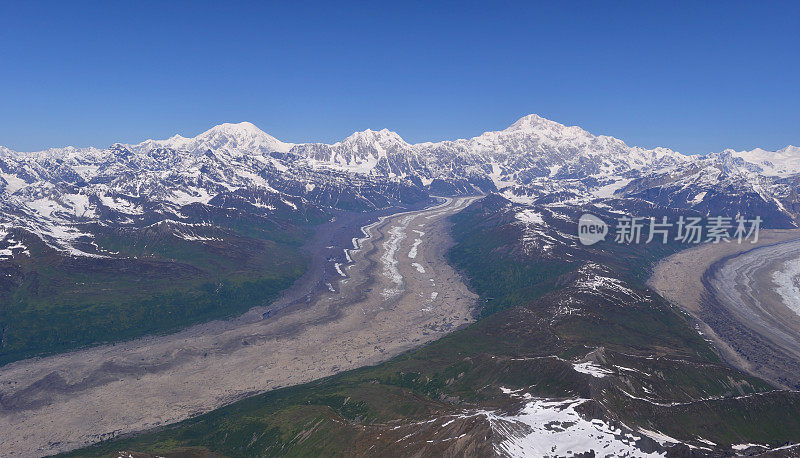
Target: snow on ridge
[[591, 368], [545, 427], [529, 216], [532, 158], [783, 162], [14, 183], [368, 136], [13, 244], [698, 198], [538, 235], [229, 137], [194, 237], [121, 205], [245, 135], [743, 447], [593, 280], [659, 437], [608, 190]]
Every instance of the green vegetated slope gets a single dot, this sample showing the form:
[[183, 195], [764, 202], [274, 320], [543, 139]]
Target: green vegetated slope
[[538, 320], [160, 278]]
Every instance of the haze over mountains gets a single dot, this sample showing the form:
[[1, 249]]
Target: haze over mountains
[[62, 194]]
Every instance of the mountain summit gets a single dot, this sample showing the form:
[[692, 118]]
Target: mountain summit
[[243, 137]]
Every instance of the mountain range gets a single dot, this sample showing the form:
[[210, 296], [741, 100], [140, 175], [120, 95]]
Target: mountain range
[[60, 194], [109, 244]]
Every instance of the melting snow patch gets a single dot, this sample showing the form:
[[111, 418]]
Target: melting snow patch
[[608, 190], [192, 237], [597, 283], [705, 441], [659, 437], [121, 205], [14, 183], [13, 245], [698, 198], [630, 369], [419, 267], [338, 268], [44, 206], [509, 195], [196, 194], [539, 237], [555, 428], [529, 216], [592, 369], [80, 205]]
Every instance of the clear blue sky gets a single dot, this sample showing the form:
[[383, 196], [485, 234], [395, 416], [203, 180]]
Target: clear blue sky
[[696, 76]]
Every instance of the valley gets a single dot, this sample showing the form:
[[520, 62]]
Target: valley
[[235, 294], [730, 291], [396, 294], [378, 230], [571, 355]]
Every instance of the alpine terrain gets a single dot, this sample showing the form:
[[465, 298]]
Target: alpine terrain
[[233, 294]]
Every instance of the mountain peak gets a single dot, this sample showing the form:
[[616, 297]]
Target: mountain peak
[[242, 137], [538, 126], [237, 129], [383, 136], [533, 121], [231, 137]]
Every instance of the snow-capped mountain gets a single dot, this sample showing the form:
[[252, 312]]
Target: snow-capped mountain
[[723, 185], [369, 152], [530, 149], [534, 147], [56, 193], [227, 138], [781, 163]]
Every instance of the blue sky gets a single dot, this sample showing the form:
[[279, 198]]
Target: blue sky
[[693, 76]]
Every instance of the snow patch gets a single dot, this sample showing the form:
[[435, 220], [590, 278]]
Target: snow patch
[[555, 428], [529, 216], [8, 252], [698, 198], [592, 369], [338, 267], [14, 183], [607, 191]]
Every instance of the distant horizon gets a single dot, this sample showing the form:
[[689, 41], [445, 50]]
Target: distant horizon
[[376, 130], [692, 77]]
